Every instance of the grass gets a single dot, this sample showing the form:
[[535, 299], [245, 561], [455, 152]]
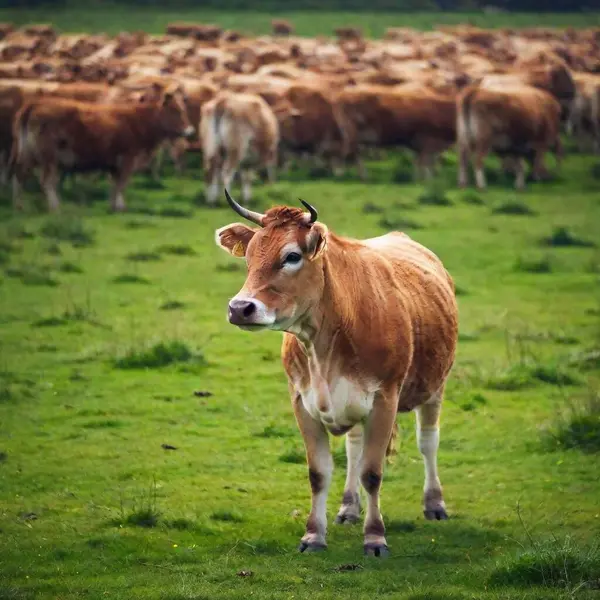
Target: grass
[[513, 207], [562, 237], [82, 438], [577, 425], [553, 563], [161, 354]]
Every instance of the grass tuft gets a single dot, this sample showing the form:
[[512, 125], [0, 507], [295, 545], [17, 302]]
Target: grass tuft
[[434, 195], [177, 249], [275, 431], [577, 426], [561, 237], [513, 207], [159, 355], [231, 267], [69, 267], [534, 265], [398, 224], [521, 376], [369, 208], [130, 278], [472, 197], [293, 456], [172, 305], [143, 256], [66, 228], [228, 516], [31, 274], [557, 563]]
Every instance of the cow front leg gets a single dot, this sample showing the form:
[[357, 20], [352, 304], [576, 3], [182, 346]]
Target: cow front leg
[[428, 439], [320, 469], [121, 178], [378, 432], [349, 512]]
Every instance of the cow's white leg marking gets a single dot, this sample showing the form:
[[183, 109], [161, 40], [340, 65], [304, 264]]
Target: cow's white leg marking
[[246, 177], [519, 174], [428, 439], [49, 180], [320, 469], [378, 431], [350, 509]]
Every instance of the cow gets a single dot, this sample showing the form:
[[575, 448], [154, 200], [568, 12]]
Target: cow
[[517, 122], [61, 136], [415, 118], [282, 27], [237, 132], [370, 330], [585, 116]]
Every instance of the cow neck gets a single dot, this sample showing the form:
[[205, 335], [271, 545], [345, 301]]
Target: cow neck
[[147, 128], [324, 332]]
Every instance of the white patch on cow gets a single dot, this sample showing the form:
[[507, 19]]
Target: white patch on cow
[[428, 441], [262, 315], [347, 402]]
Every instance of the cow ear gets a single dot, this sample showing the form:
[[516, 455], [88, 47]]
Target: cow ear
[[234, 238], [316, 241]]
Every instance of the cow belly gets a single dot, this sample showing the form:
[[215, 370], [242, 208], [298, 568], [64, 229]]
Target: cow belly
[[338, 405]]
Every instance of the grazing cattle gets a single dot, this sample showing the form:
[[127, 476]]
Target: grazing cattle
[[281, 27], [370, 330], [517, 122], [61, 136], [237, 132], [414, 118]]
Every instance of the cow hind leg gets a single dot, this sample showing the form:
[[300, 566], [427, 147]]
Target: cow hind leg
[[378, 432], [49, 180], [350, 509], [117, 201], [428, 439], [246, 176], [320, 470]]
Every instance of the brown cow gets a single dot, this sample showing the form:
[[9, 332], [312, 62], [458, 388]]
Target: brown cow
[[282, 27], [61, 136], [370, 330], [415, 118], [238, 131], [518, 122]]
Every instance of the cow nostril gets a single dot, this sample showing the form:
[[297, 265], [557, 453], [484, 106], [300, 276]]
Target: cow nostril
[[249, 309]]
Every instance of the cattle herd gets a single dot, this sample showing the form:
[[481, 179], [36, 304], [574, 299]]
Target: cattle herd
[[80, 103]]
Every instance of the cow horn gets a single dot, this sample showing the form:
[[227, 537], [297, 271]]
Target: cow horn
[[244, 212], [311, 209]]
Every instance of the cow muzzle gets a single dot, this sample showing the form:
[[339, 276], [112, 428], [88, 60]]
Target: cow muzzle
[[249, 313], [189, 132]]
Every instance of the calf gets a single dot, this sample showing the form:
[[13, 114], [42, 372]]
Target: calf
[[69, 136], [517, 122], [370, 330]]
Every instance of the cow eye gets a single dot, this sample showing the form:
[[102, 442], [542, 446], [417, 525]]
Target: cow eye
[[293, 258]]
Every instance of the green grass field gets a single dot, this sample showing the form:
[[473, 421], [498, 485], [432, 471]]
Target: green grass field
[[113, 19], [94, 506], [148, 449]]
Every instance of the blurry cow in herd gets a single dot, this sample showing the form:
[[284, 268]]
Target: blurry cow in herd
[[238, 132], [414, 118], [519, 122], [370, 330], [59, 136]]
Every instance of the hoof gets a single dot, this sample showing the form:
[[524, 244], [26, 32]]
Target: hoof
[[437, 514], [311, 547], [378, 550], [349, 519]]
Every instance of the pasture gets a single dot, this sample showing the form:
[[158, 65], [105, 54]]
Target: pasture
[[148, 449]]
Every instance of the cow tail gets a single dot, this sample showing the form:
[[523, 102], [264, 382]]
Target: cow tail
[[20, 128], [391, 447], [465, 117]]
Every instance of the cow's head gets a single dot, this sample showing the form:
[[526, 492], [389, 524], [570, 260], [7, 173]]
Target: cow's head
[[284, 259], [174, 118]]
